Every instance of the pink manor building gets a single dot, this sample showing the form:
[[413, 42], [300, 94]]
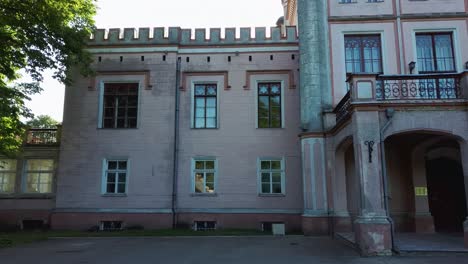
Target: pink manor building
[[358, 128]]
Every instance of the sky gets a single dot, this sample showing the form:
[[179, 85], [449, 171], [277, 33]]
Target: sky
[[163, 13]]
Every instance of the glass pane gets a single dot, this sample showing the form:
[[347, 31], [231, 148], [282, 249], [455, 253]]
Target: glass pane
[[112, 165], [265, 177], [200, 102], [32, 178], [122, 165], [121, 123], [131, 112], [211, 102], [266, 188], [424, 53], [263, 122], [199, 112], [210, 112], [444, 53], [276, 187], [199, 122], [132, 101], [211, 90], [199, 90], [265, 165], [210, 164], [45, 188], [121, 188], [122, 177], [211, 122], [199, 183], [110, 177], [276, 177], [275, 164], [7, 165], [263, 105], [121, 112], [210, 177], [209, 187], [110, 188], [40, 164], [275, 88], [132, 122], [262, 89], [199, 165]]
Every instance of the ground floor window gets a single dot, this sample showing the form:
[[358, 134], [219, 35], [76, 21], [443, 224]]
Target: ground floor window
[[7, 175], [39, 175], [204, 174], [271, 176], [115, 176]]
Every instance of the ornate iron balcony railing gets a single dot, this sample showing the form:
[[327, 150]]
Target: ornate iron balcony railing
[[418, 87], [39, 136]]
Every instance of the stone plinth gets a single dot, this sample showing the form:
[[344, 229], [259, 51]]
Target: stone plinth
[[373, 236]]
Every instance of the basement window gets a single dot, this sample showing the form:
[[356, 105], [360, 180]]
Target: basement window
[[268, 226], [111, 225], [32, 224], [204, 225]]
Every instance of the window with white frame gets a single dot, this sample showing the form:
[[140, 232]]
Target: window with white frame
[[39, 175], [269, 112], [271, 176], [204, 174], [115, 176], [205, 106], [120, 105], [7, 175]]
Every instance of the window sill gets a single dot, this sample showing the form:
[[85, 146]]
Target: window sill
[[204, 128], [27, 196], [114, 195], [271, 195], [273, 128], [204, 194]]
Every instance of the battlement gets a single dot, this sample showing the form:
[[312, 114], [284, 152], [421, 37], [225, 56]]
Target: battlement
[[179, 36]]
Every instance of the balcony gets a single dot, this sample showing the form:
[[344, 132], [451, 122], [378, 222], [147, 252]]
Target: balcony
[[42, 137], [411, 90]]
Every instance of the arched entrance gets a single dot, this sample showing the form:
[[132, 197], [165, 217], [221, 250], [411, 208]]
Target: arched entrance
[[446, 192], [427, 199]]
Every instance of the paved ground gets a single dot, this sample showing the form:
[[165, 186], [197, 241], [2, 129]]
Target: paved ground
[[271, 250]]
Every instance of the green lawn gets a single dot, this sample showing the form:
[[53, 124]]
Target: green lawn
[[10, 239]]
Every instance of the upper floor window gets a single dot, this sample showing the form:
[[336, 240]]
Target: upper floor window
[[347, 1], [204, 174], [115, 176], [39, 175], [435, 52], [7, 175], [271, 176], [363, 53], [205, 106], [269, 105], [120, 105]]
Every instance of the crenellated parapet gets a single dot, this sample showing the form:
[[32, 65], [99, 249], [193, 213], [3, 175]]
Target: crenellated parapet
[[179, 36]]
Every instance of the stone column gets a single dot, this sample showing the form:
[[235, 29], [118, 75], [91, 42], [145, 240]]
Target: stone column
[[372, 228], [314, 64], [315, 218], [464, 161], [423, 220]]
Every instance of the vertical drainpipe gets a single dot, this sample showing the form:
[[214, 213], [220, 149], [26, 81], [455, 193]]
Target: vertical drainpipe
[[400, 36], [176, 146]]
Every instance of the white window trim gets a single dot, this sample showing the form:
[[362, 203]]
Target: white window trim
[[383, 47], [192, 174], [192, 102], [104, 176], [101, 98], [283, 97], [456, 48], [283, 176], [10, 171], [24, 173]]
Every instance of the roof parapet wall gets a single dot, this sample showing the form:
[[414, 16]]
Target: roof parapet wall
[[178, 36]]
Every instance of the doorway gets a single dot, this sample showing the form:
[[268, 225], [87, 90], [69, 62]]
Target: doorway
[[446, 192]]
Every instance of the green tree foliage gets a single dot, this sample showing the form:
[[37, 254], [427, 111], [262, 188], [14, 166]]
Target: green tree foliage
[[42, 121], [36, 35]]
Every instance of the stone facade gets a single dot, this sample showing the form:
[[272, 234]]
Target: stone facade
[[357, 151]]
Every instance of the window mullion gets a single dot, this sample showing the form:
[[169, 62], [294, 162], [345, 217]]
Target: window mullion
[[206, 101], [116, 110]]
